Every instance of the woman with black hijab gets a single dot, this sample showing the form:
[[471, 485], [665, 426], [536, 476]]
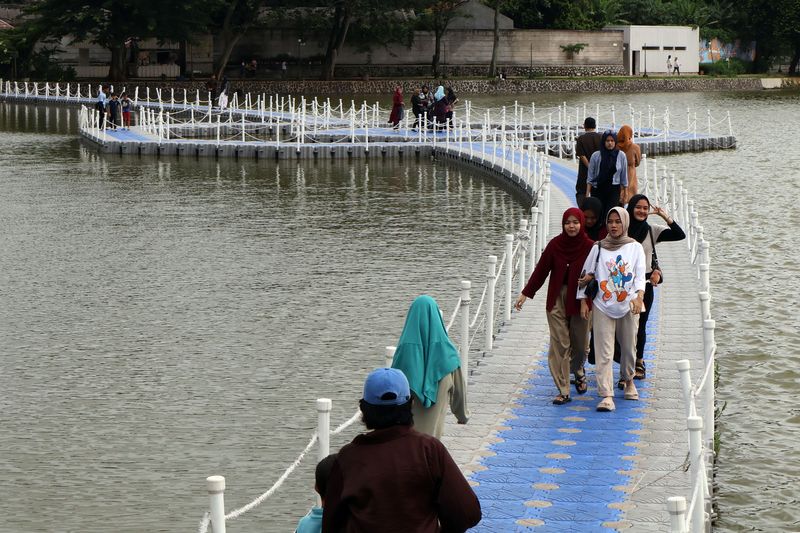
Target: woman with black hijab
[[593, 214], [648, 235], [607, 179]]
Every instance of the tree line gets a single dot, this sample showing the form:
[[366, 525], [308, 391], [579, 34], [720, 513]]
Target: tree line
[[112, 24]]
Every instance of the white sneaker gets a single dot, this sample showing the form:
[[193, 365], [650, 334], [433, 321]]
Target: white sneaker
[[630, 391], [606, 405]]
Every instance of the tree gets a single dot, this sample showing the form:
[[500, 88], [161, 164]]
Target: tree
[[112, 23], [230, 20], [497, 5], [437, 17]]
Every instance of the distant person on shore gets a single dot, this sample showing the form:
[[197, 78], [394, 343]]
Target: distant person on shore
[[634, 156], [607, 179], [284, 68], [211, 87], [451, 103], [593, 215], [562, 260], [669, 64], [676, 67], [127, 108], [618, 265], [585, 145], [432, 365], [398, 109], [312, 522], [440, 106], [395, 479], [639, 209]]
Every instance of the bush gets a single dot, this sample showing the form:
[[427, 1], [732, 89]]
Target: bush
[[727, 68]]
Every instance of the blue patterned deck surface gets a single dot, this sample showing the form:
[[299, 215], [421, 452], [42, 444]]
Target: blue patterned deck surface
[[563, 468]]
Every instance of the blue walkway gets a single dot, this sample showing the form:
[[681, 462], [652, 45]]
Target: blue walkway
[[562, 468]]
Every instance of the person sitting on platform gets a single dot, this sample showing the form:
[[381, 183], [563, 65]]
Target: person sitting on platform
[[432, 365], [395, 479], [440, 106], [312, 522]]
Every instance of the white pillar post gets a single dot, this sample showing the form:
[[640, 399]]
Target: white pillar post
[[509, 274], [389, 354], [490, 288], [708, 391], [464, 348], [684, 369], [324, 406], [216, 494], [532, 243], [523, 234], [676, 507], [705, 304], [698, 518]]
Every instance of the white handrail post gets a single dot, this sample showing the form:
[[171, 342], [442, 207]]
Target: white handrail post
[[324, 406], [705, 304], [464, 348], [708, 391], [216, 494], [676, 507], [390, 355], [532, 243], [509, 275], [490, 288], [523, 238], [546, 190], [698, 518], [684, 369], [704, 275]]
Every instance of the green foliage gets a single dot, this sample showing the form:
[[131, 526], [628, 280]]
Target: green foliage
[[573, 49], [725, 68]]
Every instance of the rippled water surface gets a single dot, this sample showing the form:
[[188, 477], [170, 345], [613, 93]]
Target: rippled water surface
[[163, 320]]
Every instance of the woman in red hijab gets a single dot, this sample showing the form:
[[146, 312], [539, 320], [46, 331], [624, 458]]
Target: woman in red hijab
[[562, 260], [397, 113]]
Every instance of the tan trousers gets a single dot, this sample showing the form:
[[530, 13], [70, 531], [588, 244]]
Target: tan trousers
[[569, 343], [452, 392], [605, 329]]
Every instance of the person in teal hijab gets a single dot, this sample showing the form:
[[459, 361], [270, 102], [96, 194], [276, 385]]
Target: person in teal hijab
[[439, 94], [432, 365]]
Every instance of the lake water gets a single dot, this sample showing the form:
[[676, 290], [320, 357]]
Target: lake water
[[164, 320]]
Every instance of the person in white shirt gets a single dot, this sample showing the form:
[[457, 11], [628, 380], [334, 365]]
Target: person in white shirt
[[618, 264], [669, 64]]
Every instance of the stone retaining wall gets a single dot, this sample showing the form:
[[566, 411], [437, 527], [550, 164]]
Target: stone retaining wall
[[485, 86]]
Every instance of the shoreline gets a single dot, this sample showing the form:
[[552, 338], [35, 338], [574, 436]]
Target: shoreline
[[481, 86]]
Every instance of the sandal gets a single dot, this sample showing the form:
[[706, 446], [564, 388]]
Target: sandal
[[561, 399], [640, 372], [581, 385]]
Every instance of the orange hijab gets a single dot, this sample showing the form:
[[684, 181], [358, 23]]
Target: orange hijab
[[625, 138]]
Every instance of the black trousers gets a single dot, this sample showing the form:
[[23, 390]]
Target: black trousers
[[641, 335]]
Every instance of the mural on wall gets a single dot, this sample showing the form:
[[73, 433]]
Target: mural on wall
[[716, 50]]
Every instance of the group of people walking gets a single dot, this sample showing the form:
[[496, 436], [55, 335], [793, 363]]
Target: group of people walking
[[602, 270], [428, 108]]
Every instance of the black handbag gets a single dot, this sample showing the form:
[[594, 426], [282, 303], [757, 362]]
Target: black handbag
[[593, 287]]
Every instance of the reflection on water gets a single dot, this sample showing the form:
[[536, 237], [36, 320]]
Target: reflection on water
[[168, 319], [164, 320]]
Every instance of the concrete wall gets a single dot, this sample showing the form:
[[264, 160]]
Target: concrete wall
[[459, 47]]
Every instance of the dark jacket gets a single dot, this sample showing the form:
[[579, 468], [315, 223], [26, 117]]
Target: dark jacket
[[397, 480]]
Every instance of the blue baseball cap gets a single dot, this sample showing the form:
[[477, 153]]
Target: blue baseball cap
[[386, 386]]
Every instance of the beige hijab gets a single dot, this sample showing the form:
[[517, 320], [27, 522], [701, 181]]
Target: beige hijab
[[611, 243]]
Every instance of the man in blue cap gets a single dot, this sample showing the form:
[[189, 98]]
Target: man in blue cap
[[395, 479]]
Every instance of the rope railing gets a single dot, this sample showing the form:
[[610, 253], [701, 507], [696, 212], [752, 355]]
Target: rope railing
[[699, 402]]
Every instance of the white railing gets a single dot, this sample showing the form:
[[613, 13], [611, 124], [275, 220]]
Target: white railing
[[183, 114], [663, 189]]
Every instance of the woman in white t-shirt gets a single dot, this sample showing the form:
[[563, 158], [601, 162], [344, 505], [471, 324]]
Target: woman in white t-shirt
[[620, 273]]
